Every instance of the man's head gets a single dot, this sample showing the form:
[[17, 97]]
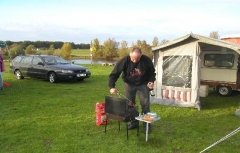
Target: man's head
[[135, 55]]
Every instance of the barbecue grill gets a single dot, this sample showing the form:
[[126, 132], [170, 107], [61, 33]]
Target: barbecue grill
[[118, 109]]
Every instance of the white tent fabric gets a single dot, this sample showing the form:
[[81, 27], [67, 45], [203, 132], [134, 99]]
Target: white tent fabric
[[193, 50]]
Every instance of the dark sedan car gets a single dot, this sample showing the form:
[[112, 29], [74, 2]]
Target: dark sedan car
[[53, 68]]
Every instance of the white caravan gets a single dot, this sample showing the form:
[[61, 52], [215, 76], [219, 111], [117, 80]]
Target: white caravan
[[187, 66]]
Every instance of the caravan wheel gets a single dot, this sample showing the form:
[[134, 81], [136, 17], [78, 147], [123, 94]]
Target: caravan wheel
[[224, 90]]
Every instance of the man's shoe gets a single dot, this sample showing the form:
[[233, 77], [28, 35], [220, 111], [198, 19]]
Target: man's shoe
[[133, 125], [145, 128]]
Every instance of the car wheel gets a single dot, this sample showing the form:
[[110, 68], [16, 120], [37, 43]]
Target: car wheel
[[18, 75], [52, 77], [224, 90]]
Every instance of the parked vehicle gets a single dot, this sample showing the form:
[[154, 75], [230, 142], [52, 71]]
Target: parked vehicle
[[53, 68], [220, 70]]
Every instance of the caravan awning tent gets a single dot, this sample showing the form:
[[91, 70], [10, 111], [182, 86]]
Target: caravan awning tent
[[177, 65]]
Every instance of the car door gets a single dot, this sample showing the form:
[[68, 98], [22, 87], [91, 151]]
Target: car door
[[37, 68], [25, 66]]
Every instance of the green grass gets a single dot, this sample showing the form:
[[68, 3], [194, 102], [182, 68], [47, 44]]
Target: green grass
[[37, 116], [80, 52]]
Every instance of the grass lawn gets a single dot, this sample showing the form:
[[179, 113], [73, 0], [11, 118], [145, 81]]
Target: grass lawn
[[80, 52], [37, 116]]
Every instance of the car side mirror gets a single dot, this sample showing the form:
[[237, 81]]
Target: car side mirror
[[40, 63]]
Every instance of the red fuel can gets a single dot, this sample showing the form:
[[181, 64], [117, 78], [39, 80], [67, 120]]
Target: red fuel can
[[100, 114]]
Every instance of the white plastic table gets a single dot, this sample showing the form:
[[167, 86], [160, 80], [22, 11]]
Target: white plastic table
[[140, 118]]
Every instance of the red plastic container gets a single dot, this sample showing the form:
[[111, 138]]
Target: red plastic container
[[5, 84], [100, 114]]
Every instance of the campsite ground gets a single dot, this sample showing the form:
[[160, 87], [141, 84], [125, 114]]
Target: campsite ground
[[37, 116]]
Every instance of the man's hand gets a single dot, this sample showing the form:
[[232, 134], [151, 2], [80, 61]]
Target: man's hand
[[113, 91], [150, 85]]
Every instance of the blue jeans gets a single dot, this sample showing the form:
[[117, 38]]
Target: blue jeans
[[1, 80], [143, 95]]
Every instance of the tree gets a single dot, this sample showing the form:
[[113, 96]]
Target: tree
[[30, 50], [164, 41], [214, 34], [44, 45], [96, 49], [58, 44], [146, 49], [9, 43], [110, 49], [14, 50], [51, 47], [139, 43], [26, 43], [66, 50], [51, 50], [123, 50], [155, 42]]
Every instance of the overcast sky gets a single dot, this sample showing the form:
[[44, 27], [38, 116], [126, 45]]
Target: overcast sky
[[81, 21]]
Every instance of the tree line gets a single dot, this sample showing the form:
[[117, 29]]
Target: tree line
[[44, 45], [109, 50]]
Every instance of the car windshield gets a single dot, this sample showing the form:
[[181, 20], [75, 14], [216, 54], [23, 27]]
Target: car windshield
[[54, 60], [60, 60]]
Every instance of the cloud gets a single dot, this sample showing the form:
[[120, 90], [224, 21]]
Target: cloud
[[82, 21]]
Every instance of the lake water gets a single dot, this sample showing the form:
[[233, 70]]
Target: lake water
[[89, 61]]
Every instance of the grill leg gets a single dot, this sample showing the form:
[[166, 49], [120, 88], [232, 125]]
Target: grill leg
[[119, 125], [138, 130], [106, 125], [127, 129]]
